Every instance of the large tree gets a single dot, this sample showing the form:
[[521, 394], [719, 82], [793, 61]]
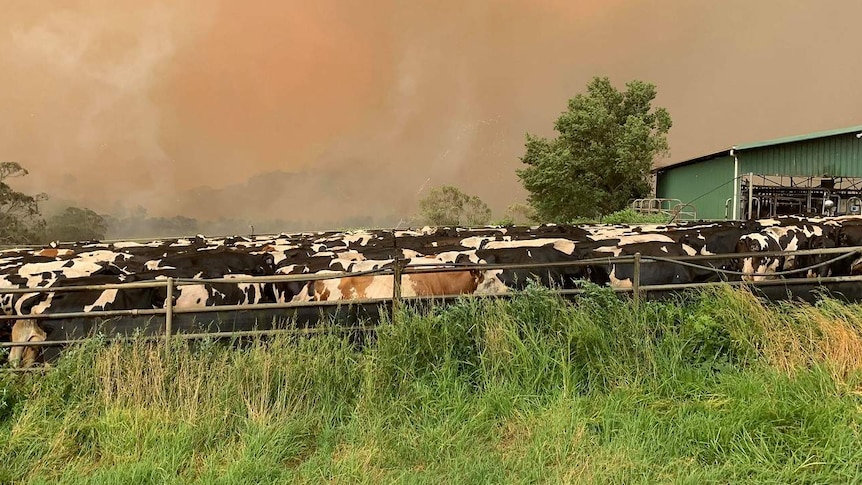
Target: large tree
[[449, 206], [20, 221], [602, 157], [75, 224]]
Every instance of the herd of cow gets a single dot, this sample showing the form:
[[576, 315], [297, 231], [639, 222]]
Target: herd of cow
[[366, 252]]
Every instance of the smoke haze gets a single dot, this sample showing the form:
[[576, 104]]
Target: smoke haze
[[333, 110]]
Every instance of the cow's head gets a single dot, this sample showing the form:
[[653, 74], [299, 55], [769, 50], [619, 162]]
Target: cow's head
[[756, 267], [825, 241], [26, 331], [478, 277], [266, 266]]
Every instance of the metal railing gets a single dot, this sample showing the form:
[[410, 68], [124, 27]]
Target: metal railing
[[673, 208], [397, 270]]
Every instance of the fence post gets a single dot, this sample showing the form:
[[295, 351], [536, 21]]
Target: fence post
[[636, 280], [396, 286], [169, 311]]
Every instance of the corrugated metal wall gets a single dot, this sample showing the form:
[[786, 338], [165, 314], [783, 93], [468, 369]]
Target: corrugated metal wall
[[836, 156], [707, 185]]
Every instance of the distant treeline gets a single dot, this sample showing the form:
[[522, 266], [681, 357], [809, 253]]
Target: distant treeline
[[138, 224]]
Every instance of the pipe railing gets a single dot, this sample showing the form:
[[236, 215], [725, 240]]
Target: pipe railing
[[162, 283], [635, 289], [200, 309], [397, 270], [434, 268], [421, 268]]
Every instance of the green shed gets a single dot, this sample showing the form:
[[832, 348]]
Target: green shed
[[817, 173]]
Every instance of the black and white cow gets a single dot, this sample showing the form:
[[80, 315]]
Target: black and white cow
[[358, 251]]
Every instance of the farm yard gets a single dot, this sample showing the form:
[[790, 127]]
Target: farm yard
[[712, 385], [716, 386], [47, 291], [430, 242]]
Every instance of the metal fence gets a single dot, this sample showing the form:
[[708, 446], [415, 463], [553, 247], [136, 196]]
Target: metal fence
[[398, 269], [672, 208]]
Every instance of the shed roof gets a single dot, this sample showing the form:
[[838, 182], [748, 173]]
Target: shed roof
[[763, 144], [794, 139]]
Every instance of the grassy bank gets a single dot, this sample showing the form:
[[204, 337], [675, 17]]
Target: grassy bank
[[715, 388]]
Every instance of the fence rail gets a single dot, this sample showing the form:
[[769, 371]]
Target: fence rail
[[435, 268], [398, 269]]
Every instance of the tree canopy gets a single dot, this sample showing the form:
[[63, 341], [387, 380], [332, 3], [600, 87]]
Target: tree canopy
[[20, 221], [602, 156], [75, 224], [449, 206]]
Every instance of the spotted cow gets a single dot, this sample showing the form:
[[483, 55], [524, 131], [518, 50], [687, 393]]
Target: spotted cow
[[335, 252]]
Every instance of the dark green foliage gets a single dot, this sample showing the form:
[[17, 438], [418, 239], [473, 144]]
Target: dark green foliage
[[602, 156], [449, 206], [20, 221], [136, 224], [75, 224], [627, 216]]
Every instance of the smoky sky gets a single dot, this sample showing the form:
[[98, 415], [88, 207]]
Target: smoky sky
[[341, 108]]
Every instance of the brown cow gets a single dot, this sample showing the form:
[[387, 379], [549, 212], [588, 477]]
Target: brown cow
[[25, 331], [443, 283], [418, 284], [353, 288]]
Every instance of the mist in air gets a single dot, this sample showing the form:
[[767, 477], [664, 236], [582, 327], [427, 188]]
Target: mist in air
[[336, 113]]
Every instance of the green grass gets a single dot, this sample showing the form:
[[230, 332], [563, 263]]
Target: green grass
[[716, 387], [625, 216]]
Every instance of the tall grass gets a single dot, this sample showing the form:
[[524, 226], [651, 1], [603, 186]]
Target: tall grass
[[714, 387]]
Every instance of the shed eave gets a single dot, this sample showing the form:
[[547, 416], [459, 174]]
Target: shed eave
[[762, 144], [798, 138], [690, 161]]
